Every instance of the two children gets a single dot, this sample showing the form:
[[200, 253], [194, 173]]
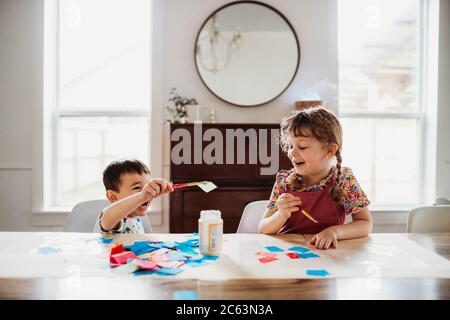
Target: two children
[[317, 185]]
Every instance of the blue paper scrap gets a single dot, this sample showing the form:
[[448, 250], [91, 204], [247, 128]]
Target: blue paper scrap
[[175, 256], [106, 240], [317, 272], [144, 272], [299, 249], [48, 250], [210, 257], [195, 263], [308, 255], [274, 249], [185, 295], [169, 271]]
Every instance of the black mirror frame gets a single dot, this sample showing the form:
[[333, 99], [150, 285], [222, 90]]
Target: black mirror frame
[[256, 3]]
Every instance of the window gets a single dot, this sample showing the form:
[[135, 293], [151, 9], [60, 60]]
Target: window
[[380, 97], [101, 93]]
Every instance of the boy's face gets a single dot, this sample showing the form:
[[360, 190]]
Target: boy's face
[[131, 183]]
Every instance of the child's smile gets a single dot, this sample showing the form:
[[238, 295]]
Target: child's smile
[[310, 158]]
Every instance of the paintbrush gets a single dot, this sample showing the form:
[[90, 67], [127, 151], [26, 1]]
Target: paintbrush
[[206, 186]]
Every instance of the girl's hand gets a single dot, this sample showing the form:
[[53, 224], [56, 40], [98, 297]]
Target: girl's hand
[[287, 204], [325, 239]]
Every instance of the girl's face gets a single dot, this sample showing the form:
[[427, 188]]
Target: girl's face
[[309, 156]]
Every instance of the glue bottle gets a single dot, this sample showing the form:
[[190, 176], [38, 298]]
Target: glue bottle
[[210, 230]]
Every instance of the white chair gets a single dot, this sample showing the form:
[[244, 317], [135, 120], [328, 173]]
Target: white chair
[[251, 217], [429, 219], [442, 201], [84, 216]]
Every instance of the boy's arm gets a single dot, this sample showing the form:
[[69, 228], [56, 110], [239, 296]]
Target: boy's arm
[[114, 213], [120, 209]]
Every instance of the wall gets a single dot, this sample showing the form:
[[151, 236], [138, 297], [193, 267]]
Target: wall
[[443, 100], [21, 47]]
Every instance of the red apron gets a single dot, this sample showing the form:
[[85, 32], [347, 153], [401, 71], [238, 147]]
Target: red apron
[[320, 206]]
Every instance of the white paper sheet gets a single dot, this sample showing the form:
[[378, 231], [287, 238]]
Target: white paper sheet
[[380, 255]]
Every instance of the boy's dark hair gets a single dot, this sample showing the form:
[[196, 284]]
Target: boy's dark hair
[[114, 170]]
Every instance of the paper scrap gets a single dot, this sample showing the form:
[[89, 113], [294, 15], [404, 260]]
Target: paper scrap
[[185, 295], [170, 264], [123, 257], [207, 186], [48, 250], [106, 240], [299, 249], [293, 255], [144, 272], [143, 264], [274, 249], [317, 272], [308, 255], [168, 271], [210, 257], [175, 256], [195, 263], [125, 269]]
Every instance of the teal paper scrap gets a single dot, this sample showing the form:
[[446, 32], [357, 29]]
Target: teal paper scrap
[[169, 271], [299, 249], [274, 249], [317, 272], [48, 250], [185, 295], [308, 255]]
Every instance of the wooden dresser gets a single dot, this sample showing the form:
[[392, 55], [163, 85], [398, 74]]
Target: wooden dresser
[[238, 184]]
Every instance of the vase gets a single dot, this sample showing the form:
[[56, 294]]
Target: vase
[[193, 112]]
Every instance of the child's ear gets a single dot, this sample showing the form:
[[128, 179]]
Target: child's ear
[[332, 149], [111, 195]]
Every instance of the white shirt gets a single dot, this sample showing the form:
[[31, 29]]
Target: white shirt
[[126, 225]]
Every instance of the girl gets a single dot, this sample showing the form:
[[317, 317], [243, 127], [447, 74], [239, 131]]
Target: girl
[[317, 193]]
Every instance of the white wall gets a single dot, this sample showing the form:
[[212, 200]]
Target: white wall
[[175, 27], [318, 62], [443, 100], [21, 46]]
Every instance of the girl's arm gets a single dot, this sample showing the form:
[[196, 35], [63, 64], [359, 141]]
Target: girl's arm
[[274, 219], [271, 222], [361, 226]]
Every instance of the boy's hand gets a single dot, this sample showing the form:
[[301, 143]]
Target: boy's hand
[[287, 204], [325, 239], [155, 188]]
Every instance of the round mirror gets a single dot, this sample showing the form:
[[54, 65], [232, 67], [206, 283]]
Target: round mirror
[[247, 53]]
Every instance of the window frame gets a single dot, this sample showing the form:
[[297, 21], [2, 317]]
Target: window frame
[[419, 114], [54, 113]]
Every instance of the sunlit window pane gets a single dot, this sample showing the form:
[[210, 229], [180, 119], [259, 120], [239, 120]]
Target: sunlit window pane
[[104, 54], [383, 154], [88, 144], [378, 55]]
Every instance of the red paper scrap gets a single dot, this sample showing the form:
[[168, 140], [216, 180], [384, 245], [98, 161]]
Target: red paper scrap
[[293, 255]]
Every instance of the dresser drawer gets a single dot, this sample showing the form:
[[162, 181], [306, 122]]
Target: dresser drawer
[[230, 201]]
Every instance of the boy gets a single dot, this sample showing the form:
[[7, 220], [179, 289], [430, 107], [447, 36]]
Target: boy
[[130, 189]]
